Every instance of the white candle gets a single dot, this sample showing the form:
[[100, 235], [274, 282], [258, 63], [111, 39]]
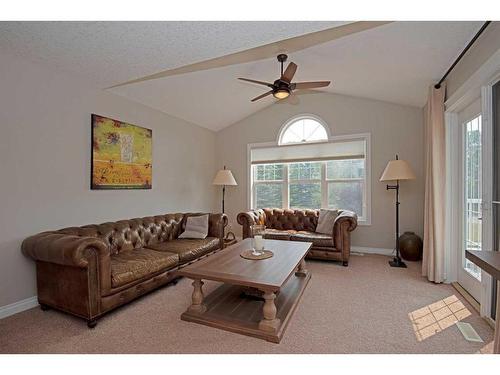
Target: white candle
[[258, 242]]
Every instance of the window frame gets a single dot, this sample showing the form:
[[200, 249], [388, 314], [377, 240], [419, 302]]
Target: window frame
[[367, 201]]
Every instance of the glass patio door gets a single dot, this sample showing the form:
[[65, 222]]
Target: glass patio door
[[469, 275]]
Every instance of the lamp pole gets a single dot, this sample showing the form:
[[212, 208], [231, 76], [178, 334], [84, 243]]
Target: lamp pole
[[396, 262], [223, 194]]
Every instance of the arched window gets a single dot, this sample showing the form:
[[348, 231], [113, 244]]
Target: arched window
[[303, 129]]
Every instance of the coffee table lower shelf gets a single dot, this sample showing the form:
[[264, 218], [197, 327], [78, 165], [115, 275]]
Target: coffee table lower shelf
[[230, 309]]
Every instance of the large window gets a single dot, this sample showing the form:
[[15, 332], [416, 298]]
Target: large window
[[302, 185], [329, 174]]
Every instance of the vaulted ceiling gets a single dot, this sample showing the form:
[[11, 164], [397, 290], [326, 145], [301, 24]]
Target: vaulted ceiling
[[394, 62]]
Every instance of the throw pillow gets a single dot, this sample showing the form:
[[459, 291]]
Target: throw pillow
[[326, 221], [196, 227]]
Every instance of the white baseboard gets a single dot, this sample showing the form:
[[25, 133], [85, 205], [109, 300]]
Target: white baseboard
[[18, 306], [372, 250]]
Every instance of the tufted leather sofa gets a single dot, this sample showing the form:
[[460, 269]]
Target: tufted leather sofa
[[90, 270], [300, 225]]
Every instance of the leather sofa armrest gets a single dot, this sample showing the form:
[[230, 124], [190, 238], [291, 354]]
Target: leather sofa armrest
[[247, 219], [64, 249], [344, 224], [216, 224], [349, 218]]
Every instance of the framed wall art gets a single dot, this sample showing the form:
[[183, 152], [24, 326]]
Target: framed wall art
[[121, 155]]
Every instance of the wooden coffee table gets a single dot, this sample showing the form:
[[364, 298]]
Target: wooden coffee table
[[258, 297]]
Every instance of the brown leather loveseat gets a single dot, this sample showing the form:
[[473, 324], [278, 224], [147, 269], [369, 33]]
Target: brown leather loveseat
[[90, 270], [300, 225]]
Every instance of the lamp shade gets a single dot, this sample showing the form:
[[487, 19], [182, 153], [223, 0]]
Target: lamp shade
[[397, 170], [224, 177]]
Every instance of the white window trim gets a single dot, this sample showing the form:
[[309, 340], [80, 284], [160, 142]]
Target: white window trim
[[351, 137]]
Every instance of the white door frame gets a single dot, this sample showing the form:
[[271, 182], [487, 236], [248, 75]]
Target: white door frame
[[478, 85]]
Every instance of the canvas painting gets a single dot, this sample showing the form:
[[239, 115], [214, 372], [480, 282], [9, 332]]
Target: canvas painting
[[121, 155]]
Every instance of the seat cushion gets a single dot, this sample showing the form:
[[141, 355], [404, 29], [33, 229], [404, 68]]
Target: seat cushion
[[188, 249], [132, 265], [278, 234], [318, 239]]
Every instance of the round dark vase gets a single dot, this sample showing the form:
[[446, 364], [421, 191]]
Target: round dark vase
[[410, 246]]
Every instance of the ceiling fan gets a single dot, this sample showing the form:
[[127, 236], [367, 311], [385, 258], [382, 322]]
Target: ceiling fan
[[283, 87]]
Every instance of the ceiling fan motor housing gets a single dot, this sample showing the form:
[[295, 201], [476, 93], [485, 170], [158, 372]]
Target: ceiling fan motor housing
[[281, 89], [281, 85]]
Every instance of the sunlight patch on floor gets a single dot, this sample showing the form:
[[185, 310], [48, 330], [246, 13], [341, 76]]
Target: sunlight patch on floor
[[487, 349], [436, 317]]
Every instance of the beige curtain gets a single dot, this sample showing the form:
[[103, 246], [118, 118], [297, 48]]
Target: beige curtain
[[435, 178]]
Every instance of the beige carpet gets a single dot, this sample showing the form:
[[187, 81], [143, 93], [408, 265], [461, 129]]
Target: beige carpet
[[360, 309]]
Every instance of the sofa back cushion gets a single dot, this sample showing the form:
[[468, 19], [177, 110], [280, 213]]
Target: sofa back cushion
[[126, 235], [284, 219]]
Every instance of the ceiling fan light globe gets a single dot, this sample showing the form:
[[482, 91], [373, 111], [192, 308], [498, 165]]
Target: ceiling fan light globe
[[281, 94]]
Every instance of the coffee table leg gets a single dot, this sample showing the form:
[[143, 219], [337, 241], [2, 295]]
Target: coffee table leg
[[269, 323], [302, 271], [197, 298]]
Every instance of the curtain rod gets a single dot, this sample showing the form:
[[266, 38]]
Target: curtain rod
[[438, 85]]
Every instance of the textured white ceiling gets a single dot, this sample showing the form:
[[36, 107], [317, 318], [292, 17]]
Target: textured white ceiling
[[107, 53], [395, 62]]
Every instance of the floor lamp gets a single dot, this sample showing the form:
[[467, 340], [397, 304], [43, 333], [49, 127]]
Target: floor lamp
[[397, 170], [224, 177]]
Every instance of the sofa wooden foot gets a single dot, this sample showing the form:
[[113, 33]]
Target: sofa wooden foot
[[91, 323], [345, 263], [44, 307]]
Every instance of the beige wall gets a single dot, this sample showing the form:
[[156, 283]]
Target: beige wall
[[394, 129], [45, 161], [487, 44], [45, 164]]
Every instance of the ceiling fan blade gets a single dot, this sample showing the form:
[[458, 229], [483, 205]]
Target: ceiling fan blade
[[262, 96], [289, 72], [257, 82], [309, 85]]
